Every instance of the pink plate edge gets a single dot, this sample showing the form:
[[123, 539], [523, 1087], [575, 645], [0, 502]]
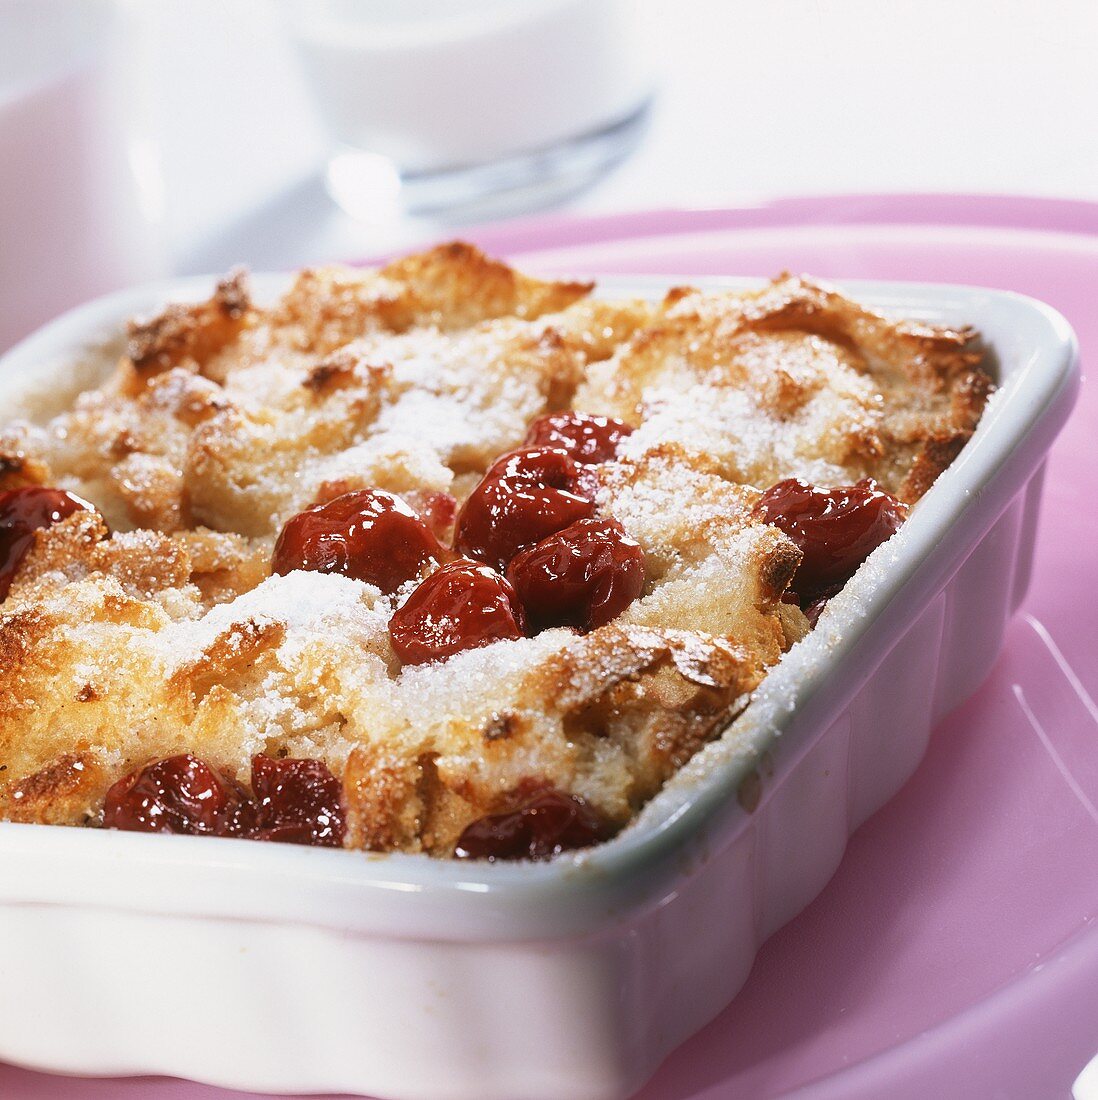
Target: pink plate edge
[[932, 209], [909, 208]]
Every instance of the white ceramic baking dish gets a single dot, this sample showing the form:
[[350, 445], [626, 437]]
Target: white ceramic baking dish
[[285, 969]]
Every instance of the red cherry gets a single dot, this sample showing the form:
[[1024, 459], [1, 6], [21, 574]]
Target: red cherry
[[463, 605], [525, 496], [299, 802], [541, 826], [549, 467], [24, 511], [369, 535], [586, 438], [180, 794], [583, 576], [836, 529]]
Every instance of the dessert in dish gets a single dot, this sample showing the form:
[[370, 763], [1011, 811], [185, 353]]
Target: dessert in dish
[[439, 557]]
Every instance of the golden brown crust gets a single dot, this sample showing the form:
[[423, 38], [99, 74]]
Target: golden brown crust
[[118, 646], [144, 563], [452, 286], [223, 566], [456, 284], [832, 391], [68, 789], [384, 792], [189, 334]]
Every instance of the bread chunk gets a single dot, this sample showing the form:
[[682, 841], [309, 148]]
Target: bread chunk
[[795, 381]]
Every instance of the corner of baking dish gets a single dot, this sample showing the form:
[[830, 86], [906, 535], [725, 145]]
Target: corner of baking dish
[[1035, 352]]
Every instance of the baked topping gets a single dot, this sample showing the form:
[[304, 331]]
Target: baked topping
[[649, 503], [463, 605], [794, 380], [369, 535]]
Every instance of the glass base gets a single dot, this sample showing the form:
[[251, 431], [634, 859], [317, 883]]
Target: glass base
[[371, 187]]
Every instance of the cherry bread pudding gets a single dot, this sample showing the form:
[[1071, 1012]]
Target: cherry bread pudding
[[441, 558]]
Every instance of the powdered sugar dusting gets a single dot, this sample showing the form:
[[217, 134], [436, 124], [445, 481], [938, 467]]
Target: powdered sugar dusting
[[474, 681], [752, 443], [307, 604]]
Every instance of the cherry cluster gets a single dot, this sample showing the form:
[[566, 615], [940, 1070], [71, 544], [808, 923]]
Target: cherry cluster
[[292, 801], [529, 550]]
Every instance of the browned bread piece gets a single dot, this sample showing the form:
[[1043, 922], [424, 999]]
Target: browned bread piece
[[449, 287], [234, 417], [795, 380]]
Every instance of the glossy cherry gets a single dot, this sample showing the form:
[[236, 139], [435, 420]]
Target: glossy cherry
[[582, 577], [550, 467], [463, 605], [836, 529], [525, 496], [540, 826], [299, 802], [24, 511], [586, 438], [180, 794], [368, 534]]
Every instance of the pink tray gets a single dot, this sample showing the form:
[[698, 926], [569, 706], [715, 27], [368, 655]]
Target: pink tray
[[955, 952]]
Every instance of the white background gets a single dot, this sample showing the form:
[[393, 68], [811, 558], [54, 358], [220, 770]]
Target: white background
[[756, 99]]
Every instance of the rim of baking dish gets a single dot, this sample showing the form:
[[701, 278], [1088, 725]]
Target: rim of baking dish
[[417, 896]]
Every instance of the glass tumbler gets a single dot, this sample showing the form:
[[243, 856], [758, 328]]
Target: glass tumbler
[[482, 105]]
